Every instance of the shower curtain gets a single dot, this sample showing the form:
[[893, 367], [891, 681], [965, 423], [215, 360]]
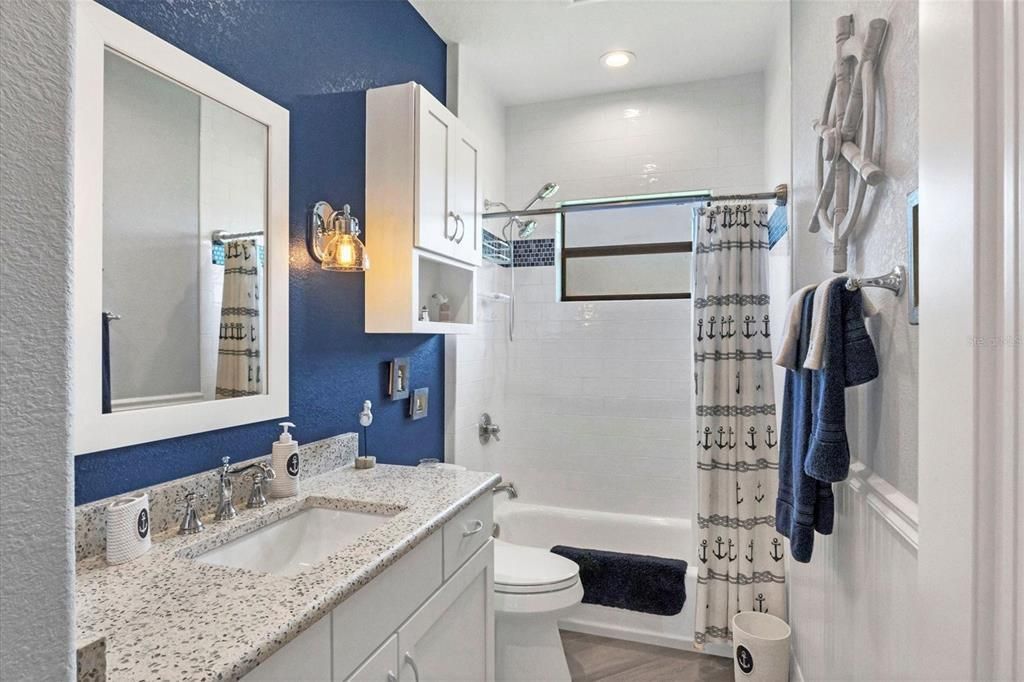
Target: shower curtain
[[740, 556], [239, 351]]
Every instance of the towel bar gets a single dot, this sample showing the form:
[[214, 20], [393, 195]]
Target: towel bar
[[894, 281]]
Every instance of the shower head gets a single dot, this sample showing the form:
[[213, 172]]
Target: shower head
[[543, 193], [527, 228], [546, 191]]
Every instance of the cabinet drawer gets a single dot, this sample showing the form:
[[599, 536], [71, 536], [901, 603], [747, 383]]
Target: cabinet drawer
[[382, 666], [467, 532], [375, 611]]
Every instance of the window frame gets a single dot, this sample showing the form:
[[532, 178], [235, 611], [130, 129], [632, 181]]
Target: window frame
[[567, 253]]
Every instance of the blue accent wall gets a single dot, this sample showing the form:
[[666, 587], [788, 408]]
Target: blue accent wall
[[315, 58]]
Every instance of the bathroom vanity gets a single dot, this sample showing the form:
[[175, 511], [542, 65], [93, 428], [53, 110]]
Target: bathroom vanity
[[408, 594]]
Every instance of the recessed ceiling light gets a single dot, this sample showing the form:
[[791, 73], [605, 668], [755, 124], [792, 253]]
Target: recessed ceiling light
[[617, 59]]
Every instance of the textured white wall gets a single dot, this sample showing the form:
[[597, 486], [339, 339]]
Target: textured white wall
[[856, 594], [36, 522]]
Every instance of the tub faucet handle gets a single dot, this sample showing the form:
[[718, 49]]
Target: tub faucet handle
[[488, 429]]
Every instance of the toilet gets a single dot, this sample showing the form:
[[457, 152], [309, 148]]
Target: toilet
[[533, 589]]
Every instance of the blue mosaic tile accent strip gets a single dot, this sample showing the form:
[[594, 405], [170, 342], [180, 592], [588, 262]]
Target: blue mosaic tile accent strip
[[496, 249], [533, 253]]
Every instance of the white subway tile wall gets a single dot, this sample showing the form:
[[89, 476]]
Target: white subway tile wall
[[595, 399]]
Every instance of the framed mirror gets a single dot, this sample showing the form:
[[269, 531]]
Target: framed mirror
[[180, 242]]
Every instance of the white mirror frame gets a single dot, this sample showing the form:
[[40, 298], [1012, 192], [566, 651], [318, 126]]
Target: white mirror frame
[[96, 29]]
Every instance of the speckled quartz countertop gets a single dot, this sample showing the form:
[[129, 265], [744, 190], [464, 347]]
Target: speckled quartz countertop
[[167, 617]]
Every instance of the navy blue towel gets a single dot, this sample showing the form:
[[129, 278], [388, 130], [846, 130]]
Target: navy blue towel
[[649, 584]]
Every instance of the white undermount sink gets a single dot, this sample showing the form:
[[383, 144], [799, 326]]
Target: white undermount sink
[[295, 543]]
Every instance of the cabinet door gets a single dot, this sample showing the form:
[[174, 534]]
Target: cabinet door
[[382, 666], [307, 658], [451, 637], [468, 198], [435, 223]]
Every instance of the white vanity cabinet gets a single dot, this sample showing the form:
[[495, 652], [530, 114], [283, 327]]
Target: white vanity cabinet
[[424, 206], [410, 623], [451, 637]]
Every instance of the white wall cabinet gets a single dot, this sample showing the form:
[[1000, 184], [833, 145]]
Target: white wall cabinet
[[408, 624], [424, 207]]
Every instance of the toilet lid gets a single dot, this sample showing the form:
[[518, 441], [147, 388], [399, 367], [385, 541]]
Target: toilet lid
[[522, 570]]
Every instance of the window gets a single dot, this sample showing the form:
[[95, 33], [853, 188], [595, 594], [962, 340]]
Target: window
[[640, 251]]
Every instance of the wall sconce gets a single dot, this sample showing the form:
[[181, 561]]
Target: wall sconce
[[332, 238]]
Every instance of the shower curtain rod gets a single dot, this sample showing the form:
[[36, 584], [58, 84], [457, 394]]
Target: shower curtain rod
[[220, 236], [780, 195]]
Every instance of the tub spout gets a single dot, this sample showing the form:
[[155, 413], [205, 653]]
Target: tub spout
[[509, 488]]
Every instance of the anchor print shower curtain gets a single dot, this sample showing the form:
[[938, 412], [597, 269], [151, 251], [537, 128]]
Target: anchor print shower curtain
[[239, 356], [739, 554]]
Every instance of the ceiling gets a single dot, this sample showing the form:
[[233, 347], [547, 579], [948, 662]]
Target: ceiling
[[538, 50]]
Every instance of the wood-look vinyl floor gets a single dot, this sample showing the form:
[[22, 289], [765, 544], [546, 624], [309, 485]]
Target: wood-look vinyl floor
[[599, 659]]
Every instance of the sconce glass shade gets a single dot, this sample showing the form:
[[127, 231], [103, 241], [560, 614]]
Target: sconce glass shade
[[344, 252], [333, 239]]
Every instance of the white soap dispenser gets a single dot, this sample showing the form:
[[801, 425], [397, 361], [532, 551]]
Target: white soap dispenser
[[284, 459]]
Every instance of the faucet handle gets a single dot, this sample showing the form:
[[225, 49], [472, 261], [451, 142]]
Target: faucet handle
[[225, 460], [190, 523], [257, 499]]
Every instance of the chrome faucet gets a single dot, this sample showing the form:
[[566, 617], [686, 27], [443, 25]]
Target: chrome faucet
[[509, 488], [263, 472], [225, 510]]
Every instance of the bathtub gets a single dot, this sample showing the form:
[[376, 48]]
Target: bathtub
[[542, 526]]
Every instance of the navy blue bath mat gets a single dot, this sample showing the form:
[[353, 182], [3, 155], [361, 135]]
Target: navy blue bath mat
[[637, 582]]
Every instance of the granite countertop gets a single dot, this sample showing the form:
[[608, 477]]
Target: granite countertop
[[167, 617]]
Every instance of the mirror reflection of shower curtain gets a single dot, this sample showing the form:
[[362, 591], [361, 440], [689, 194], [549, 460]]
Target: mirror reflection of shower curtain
[[740, 555], [239, 351]]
